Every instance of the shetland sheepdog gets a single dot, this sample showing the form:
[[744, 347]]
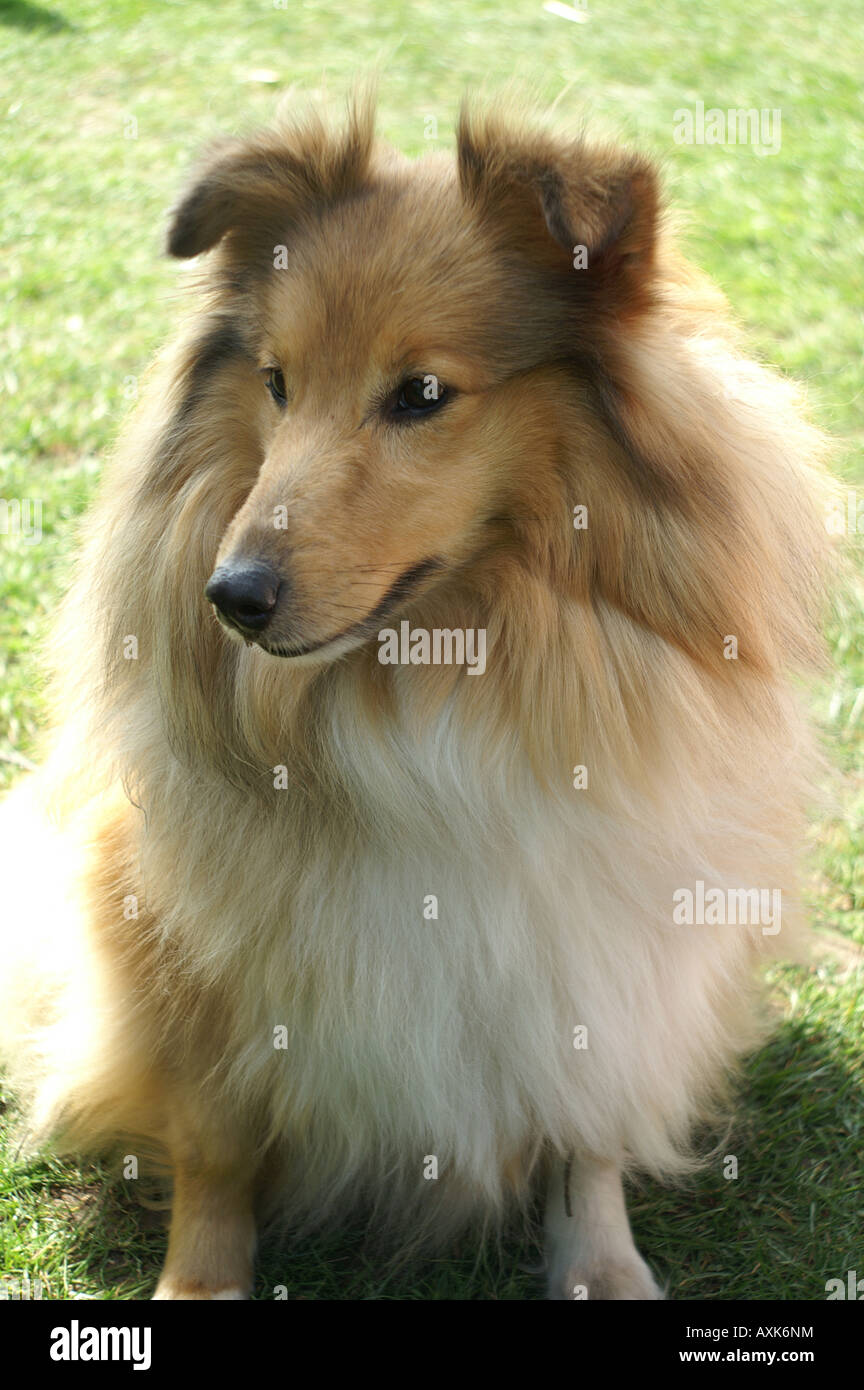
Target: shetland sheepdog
[[305, 903]]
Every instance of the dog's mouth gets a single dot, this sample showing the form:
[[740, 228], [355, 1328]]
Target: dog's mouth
[[356, 633]]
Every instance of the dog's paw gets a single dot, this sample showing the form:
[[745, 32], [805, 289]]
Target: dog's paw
[[178, 1289], [628, 1278]]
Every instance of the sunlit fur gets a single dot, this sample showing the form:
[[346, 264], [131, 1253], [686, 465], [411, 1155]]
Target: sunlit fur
[[621, 388]]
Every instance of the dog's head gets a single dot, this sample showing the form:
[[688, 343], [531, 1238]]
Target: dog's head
[[409, 334], [485, 383]]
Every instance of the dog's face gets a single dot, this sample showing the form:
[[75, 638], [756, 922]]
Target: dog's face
[[402, 327], [379, 410]]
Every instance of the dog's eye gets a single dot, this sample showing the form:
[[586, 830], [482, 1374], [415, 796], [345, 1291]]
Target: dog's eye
[[275, 383], [419, 395]]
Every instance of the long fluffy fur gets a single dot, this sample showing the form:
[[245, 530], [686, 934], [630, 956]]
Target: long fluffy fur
[[626, 392]]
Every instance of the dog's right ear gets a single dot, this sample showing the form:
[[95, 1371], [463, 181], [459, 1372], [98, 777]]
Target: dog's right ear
[[232, 176], [254, 184]]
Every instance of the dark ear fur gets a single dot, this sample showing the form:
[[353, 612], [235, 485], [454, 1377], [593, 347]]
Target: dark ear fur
[[243, 184], [567, 193]]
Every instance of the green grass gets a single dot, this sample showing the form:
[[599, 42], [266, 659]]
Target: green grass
[[86, 299]]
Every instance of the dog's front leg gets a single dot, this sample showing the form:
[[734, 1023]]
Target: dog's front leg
[[212, 1242], [589, 1246]]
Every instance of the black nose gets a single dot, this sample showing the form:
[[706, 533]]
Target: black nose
[[245, 593]]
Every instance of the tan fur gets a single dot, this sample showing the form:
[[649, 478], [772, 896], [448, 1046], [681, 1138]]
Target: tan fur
[[619, 387]]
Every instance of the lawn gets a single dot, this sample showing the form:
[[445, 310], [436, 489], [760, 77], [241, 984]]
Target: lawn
[[101, 107]]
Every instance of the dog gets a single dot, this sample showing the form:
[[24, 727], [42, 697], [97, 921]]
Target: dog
[[317, 920]]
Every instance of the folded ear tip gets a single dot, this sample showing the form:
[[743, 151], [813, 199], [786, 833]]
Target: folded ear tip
[[195, 223], [197, 220], [179, 243]]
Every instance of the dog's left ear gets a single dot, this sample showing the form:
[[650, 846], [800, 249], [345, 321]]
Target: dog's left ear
[[566, 202]]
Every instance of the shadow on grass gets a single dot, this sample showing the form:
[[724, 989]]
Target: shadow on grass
[[791, 1219], [17, 14]]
